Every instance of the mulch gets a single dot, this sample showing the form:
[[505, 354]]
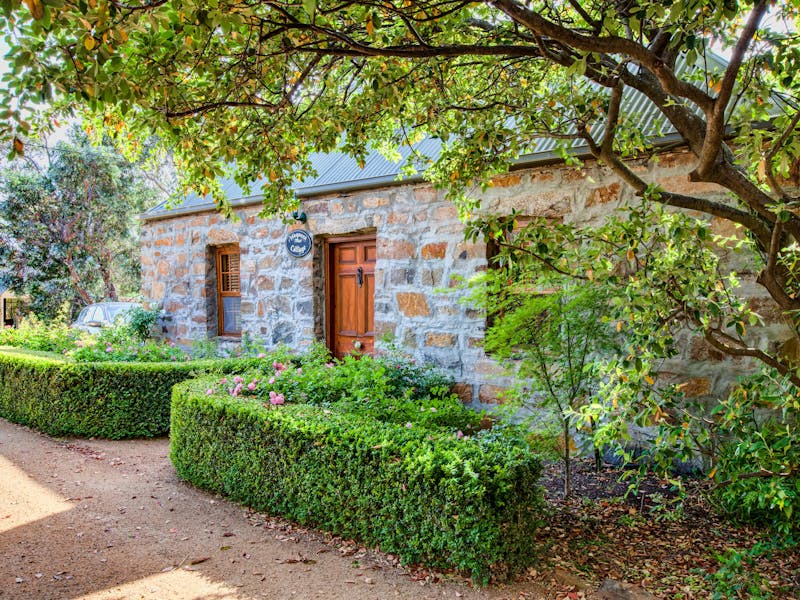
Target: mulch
[[669, 545]]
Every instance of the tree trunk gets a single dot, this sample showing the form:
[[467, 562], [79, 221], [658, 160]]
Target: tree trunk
[[76, 279], [567, 467], [108, 282]]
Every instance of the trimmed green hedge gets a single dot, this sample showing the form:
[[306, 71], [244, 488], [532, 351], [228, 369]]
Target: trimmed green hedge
[[108, 400], [431, 497]]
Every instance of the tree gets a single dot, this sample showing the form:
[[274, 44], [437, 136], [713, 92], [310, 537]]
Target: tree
[[266, 83], [552, 341], [68, 227]]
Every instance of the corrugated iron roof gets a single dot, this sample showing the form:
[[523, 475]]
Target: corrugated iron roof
[[338, 172]]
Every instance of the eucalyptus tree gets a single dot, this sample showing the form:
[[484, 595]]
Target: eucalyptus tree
[[68, 225]]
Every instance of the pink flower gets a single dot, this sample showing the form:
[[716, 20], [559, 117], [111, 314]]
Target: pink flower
[[329, 365], [433, 409], [459, 434], [251, 386], [276, 399], [299, 370], [109, 349], [224, 380], [237, 379], [409, 425], [209, 392], [271, 380], [278, 367], [261, 355]]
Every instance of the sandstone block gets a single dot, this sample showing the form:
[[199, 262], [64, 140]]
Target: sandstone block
[[469, 250], [448, 212], [465, 392], [163, 267], [413, 304], [507, 180], [425, 194], [490, 394], [375, 201], [440, 340], [436, 250], [695, 387], [396, 249], [603, 195]]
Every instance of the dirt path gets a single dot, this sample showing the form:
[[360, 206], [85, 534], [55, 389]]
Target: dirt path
[[95, 519]]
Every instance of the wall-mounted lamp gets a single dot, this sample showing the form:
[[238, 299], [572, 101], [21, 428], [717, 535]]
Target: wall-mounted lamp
[[299, 216]]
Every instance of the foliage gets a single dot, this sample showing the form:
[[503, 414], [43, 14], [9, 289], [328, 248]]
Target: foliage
[[68, 227], [262, 85], [107, 348], [367, 385], [487, 80], [106, 400], [758, 460], [34, 333], [551, 340], [141, 322], [425, 494], [407, 376], [737, 576]]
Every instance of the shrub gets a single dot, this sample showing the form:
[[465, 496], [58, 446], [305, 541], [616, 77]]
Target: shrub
[[141, 321], [110, 400], [34, 333], [758, 460], [112, 345], [369, 385], [423, 492]]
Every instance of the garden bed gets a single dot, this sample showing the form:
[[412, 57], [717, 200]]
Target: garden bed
[[104, 399], [408, 480]]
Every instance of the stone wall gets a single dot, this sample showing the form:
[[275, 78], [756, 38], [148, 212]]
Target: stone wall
[[421, 253]]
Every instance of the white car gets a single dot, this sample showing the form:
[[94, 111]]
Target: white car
[[96, 316]]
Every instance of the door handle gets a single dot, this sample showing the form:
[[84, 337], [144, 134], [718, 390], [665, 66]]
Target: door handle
[[360, 276]]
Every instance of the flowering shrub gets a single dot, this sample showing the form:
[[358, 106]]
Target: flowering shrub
[[99, 349], [372, 386]]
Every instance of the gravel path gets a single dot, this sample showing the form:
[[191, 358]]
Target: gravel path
[[97, 519]]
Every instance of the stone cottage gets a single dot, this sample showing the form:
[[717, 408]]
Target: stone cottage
[[369, 256]]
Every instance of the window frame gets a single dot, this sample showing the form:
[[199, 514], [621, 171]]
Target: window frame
[[219, 252]]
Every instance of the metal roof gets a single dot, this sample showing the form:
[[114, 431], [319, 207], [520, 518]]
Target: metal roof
[[339, 173]]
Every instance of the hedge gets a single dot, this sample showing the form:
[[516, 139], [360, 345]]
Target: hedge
[[108, 400], [429, 496]]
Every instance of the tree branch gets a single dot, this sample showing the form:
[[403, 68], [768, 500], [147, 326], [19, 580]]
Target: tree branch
[[715, 127]]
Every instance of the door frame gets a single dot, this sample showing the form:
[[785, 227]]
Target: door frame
[[329, 289]]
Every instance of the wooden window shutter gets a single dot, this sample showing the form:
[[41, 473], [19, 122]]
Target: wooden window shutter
[[229, 272], [229, 300]]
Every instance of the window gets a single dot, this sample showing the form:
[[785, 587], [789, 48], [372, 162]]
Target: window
[[512, 281], [11, 307], [229, 297]]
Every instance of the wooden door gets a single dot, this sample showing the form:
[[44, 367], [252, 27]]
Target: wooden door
[[351, 293]]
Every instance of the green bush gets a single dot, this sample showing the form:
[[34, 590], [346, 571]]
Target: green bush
[[757, 463], [109, 400], [142, 321], [426, 493], [34, 333]]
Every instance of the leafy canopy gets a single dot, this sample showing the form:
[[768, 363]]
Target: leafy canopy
[[266, 83], [68, 225]]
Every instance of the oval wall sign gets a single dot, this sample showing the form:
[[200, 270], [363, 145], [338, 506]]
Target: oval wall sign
[[298, 243]]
